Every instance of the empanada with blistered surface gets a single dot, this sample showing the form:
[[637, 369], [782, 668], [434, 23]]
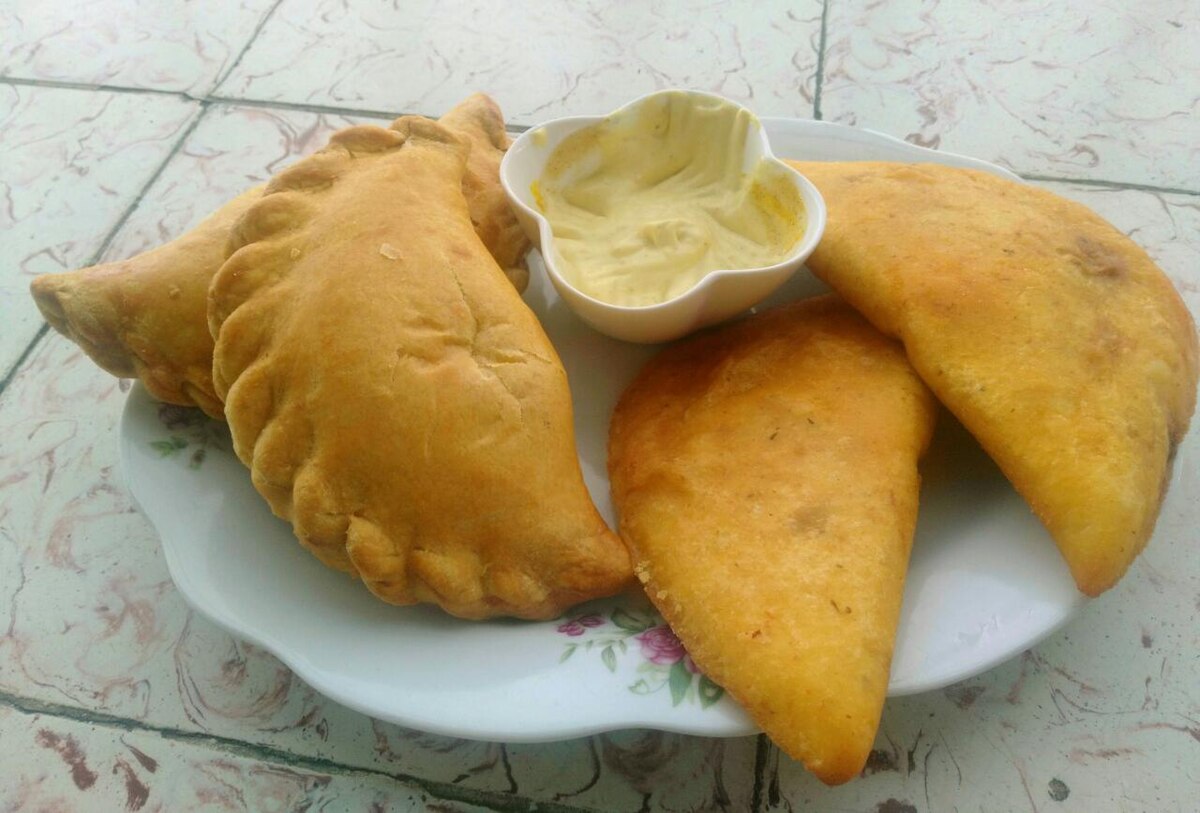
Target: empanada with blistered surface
[[146, 316], [765, 474], [394, 397], [1050, 335]]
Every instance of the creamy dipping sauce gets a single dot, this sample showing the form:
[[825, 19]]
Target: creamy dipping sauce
[[646, 203]]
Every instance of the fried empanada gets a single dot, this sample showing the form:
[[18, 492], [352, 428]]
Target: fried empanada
[[394, 397], [766, 479], [479, 119], [145, 317], [1050, 335]]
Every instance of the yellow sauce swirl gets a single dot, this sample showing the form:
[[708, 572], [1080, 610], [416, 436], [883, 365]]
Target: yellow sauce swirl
[[646, 203]]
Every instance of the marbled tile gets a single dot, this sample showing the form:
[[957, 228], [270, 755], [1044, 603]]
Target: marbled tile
[[95, 623], [1103, 90], [98, 625], [52, 763], [73, 162], [174, 45], [540, 60], [231, 149], [1101, 716]]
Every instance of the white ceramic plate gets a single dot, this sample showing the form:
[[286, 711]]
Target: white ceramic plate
[[986, 580]]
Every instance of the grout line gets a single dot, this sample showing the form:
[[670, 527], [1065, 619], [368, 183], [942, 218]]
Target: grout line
[[21, 359], [237, 60], [63, 85], [234, 101], [491, 800], [1141, 187], [137, 200], [231, 101], [109, 237], [761, 750], [820, 83]]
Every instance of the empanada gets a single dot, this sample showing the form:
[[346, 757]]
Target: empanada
[[479, 119], [146, 316], [392, 394], [1051, 336], [766, 479]]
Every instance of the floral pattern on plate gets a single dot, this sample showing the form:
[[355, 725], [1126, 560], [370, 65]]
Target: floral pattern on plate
[[665, 663], [191, 430]]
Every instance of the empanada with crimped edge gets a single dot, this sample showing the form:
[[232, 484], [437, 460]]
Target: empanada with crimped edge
[[765, 474], [145, 317], [478, 118], [1050, 335], [394, 397]]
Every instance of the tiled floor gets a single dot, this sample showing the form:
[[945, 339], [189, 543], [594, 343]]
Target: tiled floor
[[123, 122]]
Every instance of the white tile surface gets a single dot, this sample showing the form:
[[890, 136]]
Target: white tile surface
[[1102, 716], [171, 45], [539, 60], [1105, 710], [56, 764], [73, 162], [99, 624], [1103, 90]]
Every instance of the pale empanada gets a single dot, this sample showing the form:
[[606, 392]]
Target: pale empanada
[[479, 119], [145, 317], [1050, 335], [392, 394], [766, 479]]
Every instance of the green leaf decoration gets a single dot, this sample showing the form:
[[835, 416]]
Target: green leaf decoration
[[709, 692], [178, 442], [679, 679], [164, 447], [624, 648], [630, 621], [610, 658], [641, 687], [568, 653], [197, 459]]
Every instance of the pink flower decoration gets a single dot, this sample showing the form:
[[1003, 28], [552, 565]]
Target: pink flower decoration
[[577, 626], [660, 646]]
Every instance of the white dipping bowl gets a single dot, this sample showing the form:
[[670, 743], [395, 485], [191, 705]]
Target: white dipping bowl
[[717, 296]]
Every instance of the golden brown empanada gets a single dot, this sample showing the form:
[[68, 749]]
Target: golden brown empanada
[[1051, 336], [392, 394], [766, 479], [479, 119], [146, 316]]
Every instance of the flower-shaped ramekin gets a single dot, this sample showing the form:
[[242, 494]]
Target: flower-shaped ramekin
[[717, 296]]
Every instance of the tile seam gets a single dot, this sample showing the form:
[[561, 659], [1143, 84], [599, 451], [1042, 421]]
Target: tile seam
[[225, 74], [819, 85], [109, 236], [497, 802], [1107, 184], [22, 358], [761, 749], [68, 85], [196, 118], [234, 101]]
